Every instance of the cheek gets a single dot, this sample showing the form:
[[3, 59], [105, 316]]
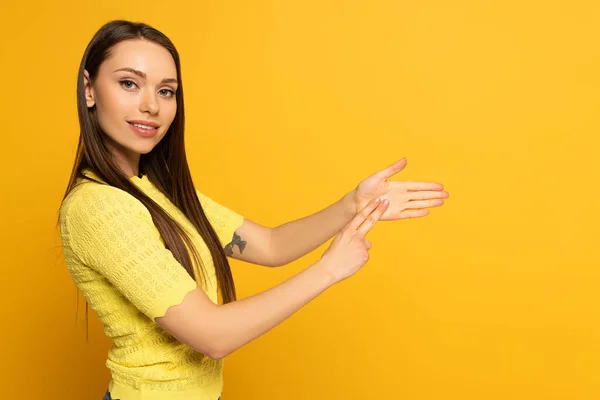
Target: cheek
[[170, 111], [112, 108]]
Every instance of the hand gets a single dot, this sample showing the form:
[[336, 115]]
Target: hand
[[349, 250], [407, 199]]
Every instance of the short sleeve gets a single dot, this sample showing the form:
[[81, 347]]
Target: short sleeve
[[224, 220], [113, 233]]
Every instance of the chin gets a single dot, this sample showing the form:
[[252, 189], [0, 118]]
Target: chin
[[144, 149]]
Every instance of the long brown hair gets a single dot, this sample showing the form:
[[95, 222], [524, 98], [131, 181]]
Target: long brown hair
[[165, 166]]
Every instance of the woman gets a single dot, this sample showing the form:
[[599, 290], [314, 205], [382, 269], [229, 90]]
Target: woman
[[149, 252]]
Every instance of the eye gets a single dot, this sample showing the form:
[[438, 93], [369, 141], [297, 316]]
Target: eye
[[127, 84], [167, 92]]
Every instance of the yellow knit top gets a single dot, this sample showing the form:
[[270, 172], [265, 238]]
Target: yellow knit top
[[118, 260]]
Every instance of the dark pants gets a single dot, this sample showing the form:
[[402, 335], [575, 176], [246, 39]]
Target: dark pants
[[107, 396]]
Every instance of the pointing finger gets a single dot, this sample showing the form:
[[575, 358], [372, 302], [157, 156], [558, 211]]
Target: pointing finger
[[363, 214], [373, 218]]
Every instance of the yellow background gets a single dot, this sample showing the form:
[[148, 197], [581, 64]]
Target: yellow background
[[289, 106]]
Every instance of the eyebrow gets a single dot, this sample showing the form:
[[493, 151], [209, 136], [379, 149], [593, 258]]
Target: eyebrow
[[143, 75]]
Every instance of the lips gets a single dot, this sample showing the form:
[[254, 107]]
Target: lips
[[147, 129], [150, 124]]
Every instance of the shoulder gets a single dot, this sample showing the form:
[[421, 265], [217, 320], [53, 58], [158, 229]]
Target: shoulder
[[208, 202], [89, 200]]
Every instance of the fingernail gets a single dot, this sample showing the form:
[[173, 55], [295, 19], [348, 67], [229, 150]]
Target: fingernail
[[377, 200], [385, 202]]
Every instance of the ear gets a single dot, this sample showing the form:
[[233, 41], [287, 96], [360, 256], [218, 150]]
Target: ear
[[89, 90]]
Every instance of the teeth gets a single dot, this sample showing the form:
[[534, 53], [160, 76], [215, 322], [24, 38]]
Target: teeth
[[143, 126]]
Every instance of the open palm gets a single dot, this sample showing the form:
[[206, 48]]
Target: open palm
[[407, 199]]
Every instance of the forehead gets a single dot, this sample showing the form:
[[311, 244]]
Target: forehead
[[142, 55]]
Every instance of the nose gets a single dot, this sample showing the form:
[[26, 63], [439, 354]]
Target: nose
[[149, 103]]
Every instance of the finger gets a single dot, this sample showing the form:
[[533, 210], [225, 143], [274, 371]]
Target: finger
[[418, 204], [372, 218], [392, 169], [368, 244], [427, 194], [363, 214], [414, 213], [424, 186]]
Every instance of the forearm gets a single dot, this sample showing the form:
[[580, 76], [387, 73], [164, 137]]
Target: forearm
[[295, 239], [239, 322]]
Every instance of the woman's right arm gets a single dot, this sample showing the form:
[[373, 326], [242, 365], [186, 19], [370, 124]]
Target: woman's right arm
[[218, 330]]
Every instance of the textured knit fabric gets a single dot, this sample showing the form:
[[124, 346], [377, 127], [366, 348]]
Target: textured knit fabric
[[118, 260]]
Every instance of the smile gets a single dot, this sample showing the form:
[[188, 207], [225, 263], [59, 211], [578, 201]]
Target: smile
[[143, 130]]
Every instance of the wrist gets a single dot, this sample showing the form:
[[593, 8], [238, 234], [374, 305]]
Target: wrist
[[325, 273], [349, 205]]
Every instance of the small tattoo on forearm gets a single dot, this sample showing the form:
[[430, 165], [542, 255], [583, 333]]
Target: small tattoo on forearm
[[237, 240]]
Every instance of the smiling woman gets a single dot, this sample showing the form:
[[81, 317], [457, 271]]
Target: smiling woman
[[128, 211], [149, 252]]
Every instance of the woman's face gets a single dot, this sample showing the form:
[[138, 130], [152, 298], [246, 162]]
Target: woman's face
[[136, 85]]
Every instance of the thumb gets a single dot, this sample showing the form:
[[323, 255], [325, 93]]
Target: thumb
[[392, 169]]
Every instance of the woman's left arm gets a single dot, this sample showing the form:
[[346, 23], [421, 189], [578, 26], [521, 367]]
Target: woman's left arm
[[283, 244], [274, 247]]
